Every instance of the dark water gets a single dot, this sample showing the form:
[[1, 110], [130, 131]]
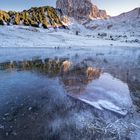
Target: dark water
[[36, 99]]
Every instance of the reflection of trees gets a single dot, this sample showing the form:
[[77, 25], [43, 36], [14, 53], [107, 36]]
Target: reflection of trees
[[48, 66], [74, 78]]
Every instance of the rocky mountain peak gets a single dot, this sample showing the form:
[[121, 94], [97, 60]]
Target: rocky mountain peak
[[81, 9]]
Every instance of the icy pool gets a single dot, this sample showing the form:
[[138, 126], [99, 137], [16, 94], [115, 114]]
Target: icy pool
[[39, 101], [100, 90]]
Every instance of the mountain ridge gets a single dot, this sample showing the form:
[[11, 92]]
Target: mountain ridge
[[49, 17], [46, 17], [132, 14]]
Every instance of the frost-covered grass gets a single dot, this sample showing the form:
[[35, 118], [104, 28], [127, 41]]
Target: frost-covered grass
[[20, 36], [123, 28]]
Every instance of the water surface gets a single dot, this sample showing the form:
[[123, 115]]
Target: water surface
[[36, 102]]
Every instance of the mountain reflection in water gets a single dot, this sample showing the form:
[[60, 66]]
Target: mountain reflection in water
[[84, 83]]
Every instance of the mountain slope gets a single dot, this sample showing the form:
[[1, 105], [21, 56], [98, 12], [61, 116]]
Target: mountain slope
[[45, 17], [131, 15], [125, 27]]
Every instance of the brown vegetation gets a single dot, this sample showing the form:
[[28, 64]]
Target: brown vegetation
[[42, 16]]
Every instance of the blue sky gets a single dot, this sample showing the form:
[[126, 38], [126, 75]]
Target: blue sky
[[113, 7]]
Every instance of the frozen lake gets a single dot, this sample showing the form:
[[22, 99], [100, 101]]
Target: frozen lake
[[38, 101]]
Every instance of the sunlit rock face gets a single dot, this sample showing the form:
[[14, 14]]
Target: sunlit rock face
[[81, 9]]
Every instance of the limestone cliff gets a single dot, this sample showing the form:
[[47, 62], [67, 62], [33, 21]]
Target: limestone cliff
[[81, 9]]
